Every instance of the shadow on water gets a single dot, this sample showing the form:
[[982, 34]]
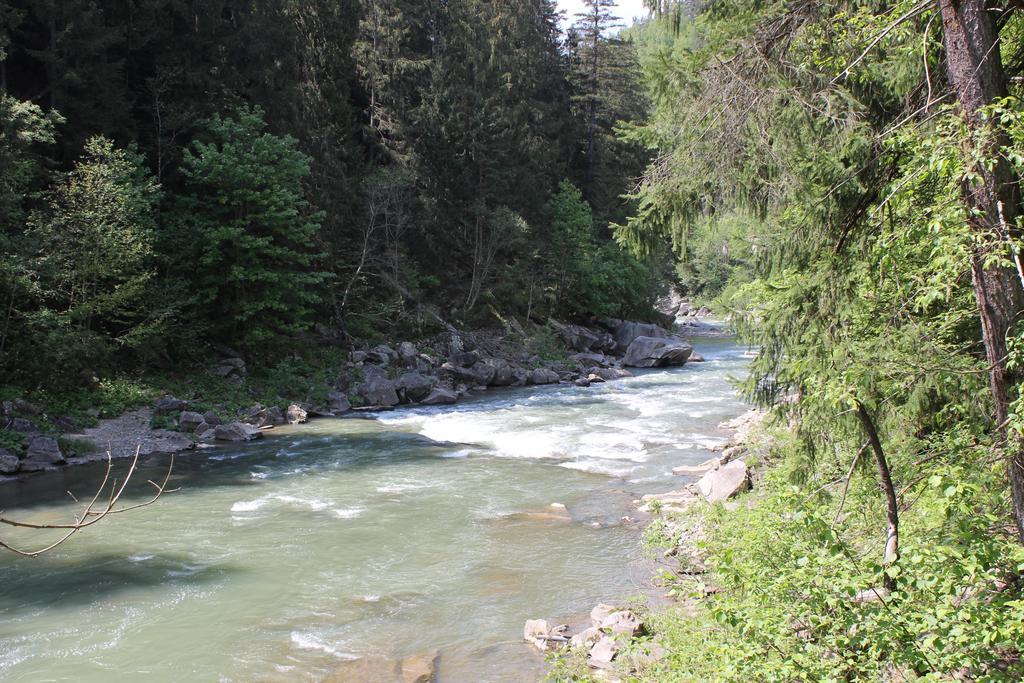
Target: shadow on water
[[57, 580], [231, 466]]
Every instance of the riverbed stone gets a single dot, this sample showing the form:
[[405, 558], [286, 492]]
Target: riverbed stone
[[543, 376], [656, 352], [9, 462], [382, 354], [600, 613], [188, 421], [408, 354], [379, 391], [623, 622], [42, 453], [625, 331], [295, 414], [695, 358], [169, 406], [414, 387], [603, 652], [22, 426], [725, 482], [502, 376], [440, 396], [586, 638], [338, 403], [236, 431]]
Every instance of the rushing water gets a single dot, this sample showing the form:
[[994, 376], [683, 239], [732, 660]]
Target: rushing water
[[421, 529]]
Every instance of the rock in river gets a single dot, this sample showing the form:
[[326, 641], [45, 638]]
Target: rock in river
[[656, 352], [236, 431]]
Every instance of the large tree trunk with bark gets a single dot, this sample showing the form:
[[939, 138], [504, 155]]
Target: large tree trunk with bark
[[975, 70]]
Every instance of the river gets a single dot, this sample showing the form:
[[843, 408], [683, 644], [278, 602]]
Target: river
[[425, 528]]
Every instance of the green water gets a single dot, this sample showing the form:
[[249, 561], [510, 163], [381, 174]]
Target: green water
[[422, 529]]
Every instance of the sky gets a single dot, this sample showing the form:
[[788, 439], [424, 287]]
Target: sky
[[627, 9]]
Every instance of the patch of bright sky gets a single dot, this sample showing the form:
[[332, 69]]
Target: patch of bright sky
[[628, 10]]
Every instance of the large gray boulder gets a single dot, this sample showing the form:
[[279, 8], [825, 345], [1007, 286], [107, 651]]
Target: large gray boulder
[[236, 431], [42, 453], [478, 374], [503, 376], [440, 396], [580, 338], [408, 354], [258, 416], [382, 354], [544, 376], [338, 403], [464, 359], [609, 373], [188, 421], [625, 331], [414, 387], [168, 405], [9, 462], [22, 426], [379, 391], [724, 482], [656, 352]]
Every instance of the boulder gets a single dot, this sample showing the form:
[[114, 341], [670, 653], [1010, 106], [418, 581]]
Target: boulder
[[609, 373], [211, 418], [464, 359], [543, 376], [695, 357], [622, 622], [9, 462], [188, 421], [338, 403], [421, 668], [582, 382], [230, 366], [479, 374], [590, 359], [236, 431], [542, 635], [295, 414], [414, 387], [503, 375], [42, 453], [379, 391], [603, 652], [202, 428], [440, 396], [20, 406], [625, 331], [258, 416], [586, 638], [168, 405], [595, 379], [600, 613], [416, 669], [579, 338], [357, 357], [656, 352], [724, 482], [22, 426], [382, 354], [408, 354]]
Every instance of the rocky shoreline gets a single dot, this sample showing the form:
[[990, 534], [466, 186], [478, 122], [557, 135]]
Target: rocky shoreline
[[615, 644], [378, 378]]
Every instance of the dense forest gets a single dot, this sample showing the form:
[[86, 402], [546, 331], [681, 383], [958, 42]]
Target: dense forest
[[181, 173], [845, 175]]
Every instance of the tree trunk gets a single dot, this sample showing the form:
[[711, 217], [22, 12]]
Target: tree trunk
[[975, 69], [892, 513]]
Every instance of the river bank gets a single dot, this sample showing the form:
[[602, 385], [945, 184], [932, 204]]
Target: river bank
[[440, 371]]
